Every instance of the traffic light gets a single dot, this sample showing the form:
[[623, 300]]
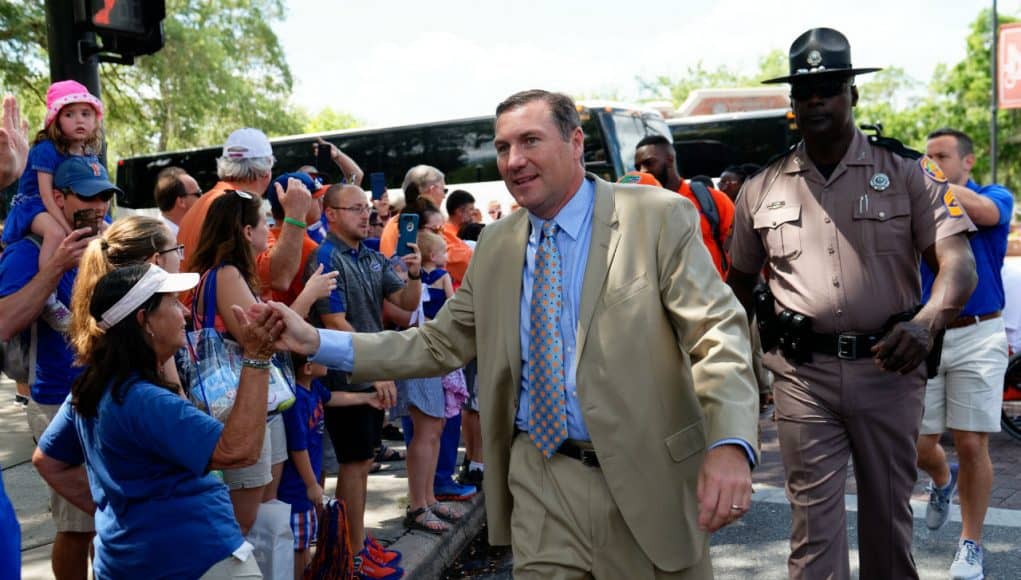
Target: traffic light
[[128, 28]]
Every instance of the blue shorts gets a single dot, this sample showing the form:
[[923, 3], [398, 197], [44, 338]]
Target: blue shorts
[[305, 526]]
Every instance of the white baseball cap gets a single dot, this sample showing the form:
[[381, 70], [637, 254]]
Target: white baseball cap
[[247, 143]]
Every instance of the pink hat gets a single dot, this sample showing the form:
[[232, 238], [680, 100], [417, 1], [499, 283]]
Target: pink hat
[[63, 93]]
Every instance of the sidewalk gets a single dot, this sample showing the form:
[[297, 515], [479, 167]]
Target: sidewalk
[[424, 555]]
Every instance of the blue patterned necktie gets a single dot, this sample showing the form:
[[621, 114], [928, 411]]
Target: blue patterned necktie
[[547, 423]]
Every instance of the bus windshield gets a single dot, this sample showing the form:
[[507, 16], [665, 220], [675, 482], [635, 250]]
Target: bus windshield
[[628, 129]]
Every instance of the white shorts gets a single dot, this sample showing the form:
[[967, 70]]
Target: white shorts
[[967, 394], [274, 450]]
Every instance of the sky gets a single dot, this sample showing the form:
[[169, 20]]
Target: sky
[[404, 61]]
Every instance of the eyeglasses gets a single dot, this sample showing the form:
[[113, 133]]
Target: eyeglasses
[[192, 194], [178, 249], [102, 196], [359, 209], [439, 185], [822, 89]]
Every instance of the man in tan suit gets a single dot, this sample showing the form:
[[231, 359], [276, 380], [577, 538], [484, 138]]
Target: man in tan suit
[[651, 428]]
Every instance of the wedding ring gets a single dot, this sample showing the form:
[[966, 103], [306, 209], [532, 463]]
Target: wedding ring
[[736, 508]]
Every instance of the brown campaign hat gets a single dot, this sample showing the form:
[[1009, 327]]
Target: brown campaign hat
[[817, 52]]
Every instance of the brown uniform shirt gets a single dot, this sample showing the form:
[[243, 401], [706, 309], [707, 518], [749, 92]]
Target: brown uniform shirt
[[845, 250]]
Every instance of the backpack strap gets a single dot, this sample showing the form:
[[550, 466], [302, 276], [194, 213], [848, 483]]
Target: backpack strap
[[707, 205]]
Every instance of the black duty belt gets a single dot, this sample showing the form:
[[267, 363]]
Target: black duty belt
[[586, 456], [845, 346]]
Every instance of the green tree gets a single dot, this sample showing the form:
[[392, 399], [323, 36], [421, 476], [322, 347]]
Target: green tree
[[678, 88], [328, 119], [221, 67]]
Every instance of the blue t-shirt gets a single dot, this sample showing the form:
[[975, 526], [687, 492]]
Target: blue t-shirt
[[54, 370], [989, 245], [10, 538], [43, 158], [159, 512], [304, 423]]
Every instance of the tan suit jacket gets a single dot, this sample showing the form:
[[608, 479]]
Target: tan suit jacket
[[663, 360]]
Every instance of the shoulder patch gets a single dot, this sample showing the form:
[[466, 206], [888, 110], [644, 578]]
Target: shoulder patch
[[895, 146], [953, 206], [932, 170]]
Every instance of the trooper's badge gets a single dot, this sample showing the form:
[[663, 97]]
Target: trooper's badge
[[814, 58], [880, 182]]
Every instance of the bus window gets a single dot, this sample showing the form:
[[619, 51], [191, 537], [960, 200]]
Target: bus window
[[629, 130]]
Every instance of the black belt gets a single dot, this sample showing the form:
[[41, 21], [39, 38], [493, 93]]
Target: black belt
[[962, 321], [845, 346], [586, 456]]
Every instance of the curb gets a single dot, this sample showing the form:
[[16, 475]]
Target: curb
[[425, 556]]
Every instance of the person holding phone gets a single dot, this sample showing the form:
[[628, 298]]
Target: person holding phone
[[329, 154], [24, 290], [366, 278]]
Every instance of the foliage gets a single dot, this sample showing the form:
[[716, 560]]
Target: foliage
[[677, 89], [328, 119], [221, 67]]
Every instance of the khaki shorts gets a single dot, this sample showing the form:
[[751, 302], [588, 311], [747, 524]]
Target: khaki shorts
[[231, 568], [66, 517], [967, 394], [274, 450]]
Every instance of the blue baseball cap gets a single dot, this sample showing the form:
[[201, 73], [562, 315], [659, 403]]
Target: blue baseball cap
[[84, 176], [315, 186]]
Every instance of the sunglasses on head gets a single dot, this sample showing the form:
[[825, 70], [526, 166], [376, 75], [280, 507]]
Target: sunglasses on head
[[819, 88]]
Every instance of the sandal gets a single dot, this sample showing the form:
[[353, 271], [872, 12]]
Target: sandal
[[447, 512], [376, 468], [389, 454], [425, 520]]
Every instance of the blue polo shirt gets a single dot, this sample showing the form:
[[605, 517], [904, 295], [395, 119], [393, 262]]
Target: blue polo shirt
[[159, 512], [54, 368], [989, 245]]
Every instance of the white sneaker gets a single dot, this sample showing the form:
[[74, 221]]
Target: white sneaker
[[968, 562]]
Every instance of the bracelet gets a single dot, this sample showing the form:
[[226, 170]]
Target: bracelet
[[294, 222], [257, 363], [410, 277]]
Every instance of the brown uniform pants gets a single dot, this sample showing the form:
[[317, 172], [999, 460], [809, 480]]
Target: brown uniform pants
[[831, 410], [565, 524]]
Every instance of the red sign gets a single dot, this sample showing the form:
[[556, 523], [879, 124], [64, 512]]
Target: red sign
[[1009, 67]]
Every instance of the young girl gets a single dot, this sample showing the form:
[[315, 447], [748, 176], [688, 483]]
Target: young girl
[[429, 402], [73, 126]]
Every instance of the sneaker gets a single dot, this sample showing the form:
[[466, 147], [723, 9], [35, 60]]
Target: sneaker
[[939, 501], [21, 400], [968, 562], [472, 477], [452, 491], [368, 569], [392, 433], [379, 554]]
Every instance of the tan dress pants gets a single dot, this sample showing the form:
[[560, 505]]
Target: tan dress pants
[[565, 524], [827, 412]]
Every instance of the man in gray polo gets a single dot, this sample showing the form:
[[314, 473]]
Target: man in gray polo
[[365, 278]]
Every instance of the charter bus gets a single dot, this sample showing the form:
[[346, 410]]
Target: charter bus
[[706, 144], [462, 149]]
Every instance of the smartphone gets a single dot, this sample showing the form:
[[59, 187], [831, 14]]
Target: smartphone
[[408, 227], [88, 218], [378, 181], [324, 163]]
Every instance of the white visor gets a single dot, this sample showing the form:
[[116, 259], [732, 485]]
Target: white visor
[[155, 281]]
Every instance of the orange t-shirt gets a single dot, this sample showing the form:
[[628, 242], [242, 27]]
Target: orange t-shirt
[[262, 268], [725, 208], [388, 239], [191, 224], [458, 254]]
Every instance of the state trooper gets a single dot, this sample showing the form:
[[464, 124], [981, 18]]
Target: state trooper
[[839, 224]]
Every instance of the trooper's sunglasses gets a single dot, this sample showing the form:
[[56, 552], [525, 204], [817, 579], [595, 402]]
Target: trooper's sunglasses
[[823, 89]]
